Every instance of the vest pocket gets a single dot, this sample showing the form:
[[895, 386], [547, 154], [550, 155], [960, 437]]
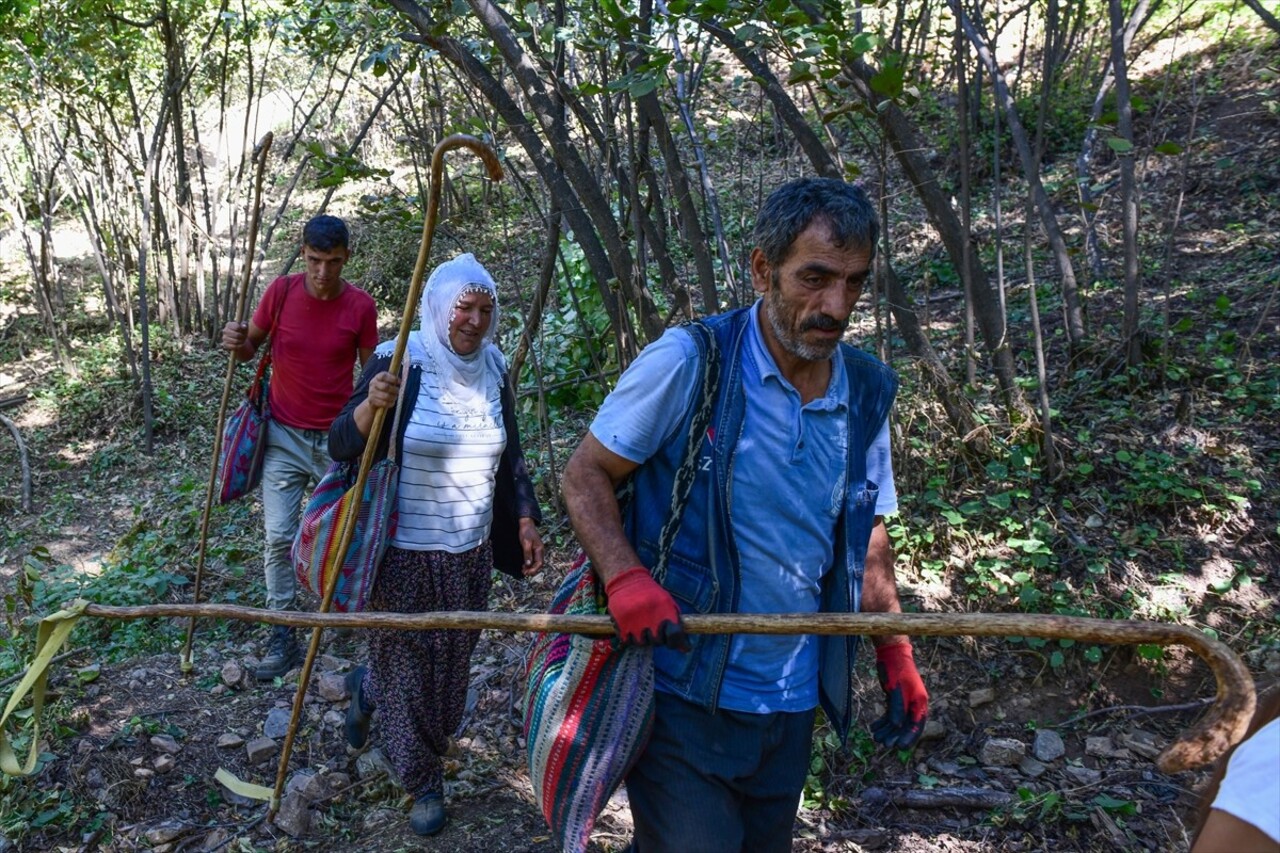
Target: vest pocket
[[690, 585]]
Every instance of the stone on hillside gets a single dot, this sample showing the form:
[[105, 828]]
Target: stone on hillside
[[260, 749], [332, 663], [163, 763], [294, 816], [232, 673], [1048, 745], [981, 696], [310, 784], [1030, 767], [372, 763], [1002, 752], [933, 730], [277, 724], [166, 744], [215, 840], [332, 687], [333, 719], [1142, 742], [1083, 775], [1099, 746], [229, 740], [163, 833], [143, 772], [337, 782]]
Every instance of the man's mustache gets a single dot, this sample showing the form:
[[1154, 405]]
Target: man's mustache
[[823, 323]]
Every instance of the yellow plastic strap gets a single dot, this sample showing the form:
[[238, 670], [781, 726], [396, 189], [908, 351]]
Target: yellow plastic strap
[[50, 636], [245, 789]]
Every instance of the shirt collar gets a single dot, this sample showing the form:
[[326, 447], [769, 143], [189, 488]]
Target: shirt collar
[[837, 396]]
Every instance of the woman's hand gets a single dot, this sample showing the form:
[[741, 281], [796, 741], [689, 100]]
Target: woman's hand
[[531, 543], [383, 392]]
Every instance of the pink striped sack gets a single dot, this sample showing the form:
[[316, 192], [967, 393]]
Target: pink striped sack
[[319, 535], [588, 713], [244, 439], [322, 522]]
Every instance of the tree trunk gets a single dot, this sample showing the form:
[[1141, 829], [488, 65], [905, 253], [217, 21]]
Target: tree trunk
[[568, 158], [1131, 342], [1267, 18], [1073, 312], [908, 148]]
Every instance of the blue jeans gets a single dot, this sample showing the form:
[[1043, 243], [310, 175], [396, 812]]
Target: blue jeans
[[294, 461], [726, 782]]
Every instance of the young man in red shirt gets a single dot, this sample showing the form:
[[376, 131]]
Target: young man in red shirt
[[319, 326]]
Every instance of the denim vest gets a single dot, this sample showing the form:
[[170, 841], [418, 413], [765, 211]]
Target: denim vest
[[702, 571]]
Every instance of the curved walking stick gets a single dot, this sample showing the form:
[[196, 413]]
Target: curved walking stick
[[1222, 726], [260, 151], [490, 159]]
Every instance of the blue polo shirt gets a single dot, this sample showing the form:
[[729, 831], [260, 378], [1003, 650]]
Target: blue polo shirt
[[787, 493]]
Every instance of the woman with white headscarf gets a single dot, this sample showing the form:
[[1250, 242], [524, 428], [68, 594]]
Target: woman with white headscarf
[[465, 506]]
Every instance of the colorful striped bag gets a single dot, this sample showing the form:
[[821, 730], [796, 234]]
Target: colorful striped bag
[[588, 713], [325, 515], [588, 702], [244, 435], [244, 438]]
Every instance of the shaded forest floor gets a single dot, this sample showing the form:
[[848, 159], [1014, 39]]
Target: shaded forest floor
[[130, 759]]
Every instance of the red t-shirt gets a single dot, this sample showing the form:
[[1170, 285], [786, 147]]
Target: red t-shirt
[[315, 348]]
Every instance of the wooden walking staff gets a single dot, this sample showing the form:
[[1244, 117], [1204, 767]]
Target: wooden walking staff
[[1222, 726], [335, 556], [260, 151]]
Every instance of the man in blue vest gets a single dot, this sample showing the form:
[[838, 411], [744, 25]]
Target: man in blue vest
[[785, 515]]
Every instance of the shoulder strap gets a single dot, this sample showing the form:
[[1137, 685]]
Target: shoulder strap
[[275, 322], [705, 401], [393, 439]]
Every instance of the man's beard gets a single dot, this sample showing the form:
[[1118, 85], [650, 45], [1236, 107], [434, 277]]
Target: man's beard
[[783, 321]]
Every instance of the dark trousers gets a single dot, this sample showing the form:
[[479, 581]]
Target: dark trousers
[[726, 782]]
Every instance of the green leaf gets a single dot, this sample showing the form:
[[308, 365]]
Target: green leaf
[[863, 42], [1111, 804], [643, 86], [1170, 148], [1093, 654], [1120, 146], [889, 81], [1056, 660]]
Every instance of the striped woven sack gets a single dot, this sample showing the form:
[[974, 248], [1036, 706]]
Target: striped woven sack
[[588, 714], [321, 529], [588, 704], [244, 439], [325, 514]]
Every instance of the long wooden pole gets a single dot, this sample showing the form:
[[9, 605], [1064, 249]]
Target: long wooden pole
[[335, 556], [263, 147], [1223, 725]]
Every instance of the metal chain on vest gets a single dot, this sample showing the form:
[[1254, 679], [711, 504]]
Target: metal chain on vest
[[688, 470]]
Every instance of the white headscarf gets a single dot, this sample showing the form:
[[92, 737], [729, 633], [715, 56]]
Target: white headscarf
[[467, 379]]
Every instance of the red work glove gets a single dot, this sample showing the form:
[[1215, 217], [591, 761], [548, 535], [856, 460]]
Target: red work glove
[[644, 613], [905, 696]]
